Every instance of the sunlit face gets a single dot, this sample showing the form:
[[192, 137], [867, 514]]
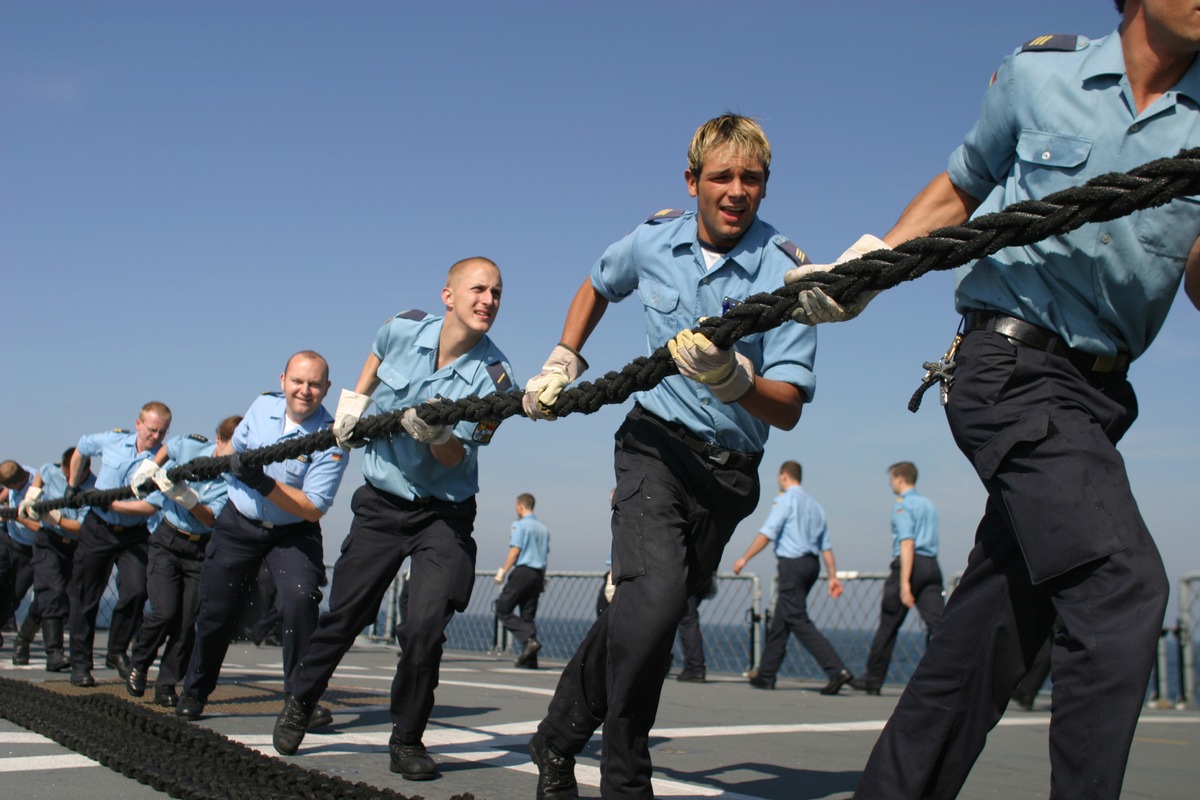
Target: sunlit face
[[151, 430], [305, 383], [730, 188], [473, 296], [1174, 23]]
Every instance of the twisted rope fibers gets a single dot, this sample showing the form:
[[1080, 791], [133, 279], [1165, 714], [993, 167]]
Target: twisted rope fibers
[[1100, 199], [174, 756]]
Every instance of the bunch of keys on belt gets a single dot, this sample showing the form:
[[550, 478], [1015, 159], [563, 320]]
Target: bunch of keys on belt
[[940, 371]]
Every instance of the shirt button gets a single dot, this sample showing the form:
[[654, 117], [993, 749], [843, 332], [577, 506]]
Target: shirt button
[[1134, 127], [704, 401], [1046, 156], [1105, 238]]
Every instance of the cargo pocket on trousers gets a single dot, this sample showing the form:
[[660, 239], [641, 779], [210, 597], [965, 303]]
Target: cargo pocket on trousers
[[628, 547], [989, 457]]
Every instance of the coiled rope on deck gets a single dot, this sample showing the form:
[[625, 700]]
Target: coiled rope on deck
[[1103, 198]]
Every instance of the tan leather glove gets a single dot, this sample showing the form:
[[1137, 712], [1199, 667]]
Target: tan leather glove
[[25, 507], [350, 408], [727, 373], [815, 306], [423, 431], [561, 369]]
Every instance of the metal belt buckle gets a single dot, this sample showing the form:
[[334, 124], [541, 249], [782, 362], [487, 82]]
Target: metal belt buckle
[[716, 455], [1104, 364]]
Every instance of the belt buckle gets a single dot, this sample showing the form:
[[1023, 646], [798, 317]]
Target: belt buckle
[[266, 524], [193, 537], [717, 455], [1104, 364]]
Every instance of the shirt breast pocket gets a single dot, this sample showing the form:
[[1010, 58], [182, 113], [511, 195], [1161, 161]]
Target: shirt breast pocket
[[1050, 162], [392, 378], [1169, 230], [658, 296]]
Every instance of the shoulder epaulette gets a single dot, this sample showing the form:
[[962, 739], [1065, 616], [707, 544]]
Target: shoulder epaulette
[[120, 430], [500, 376], [792, 251], [198, 437], [415, 314], [1053, 41], [665, 214], [273, 393]]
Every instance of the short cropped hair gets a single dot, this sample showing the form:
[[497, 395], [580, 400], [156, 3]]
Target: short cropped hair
[[13, 475], [525, 501], [742, 133], [457, 268], [792, 470], [155, 407], [905, 470], [311, 354]]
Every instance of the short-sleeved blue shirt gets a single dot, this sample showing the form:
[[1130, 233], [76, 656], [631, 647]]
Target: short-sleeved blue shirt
[[407, 347], [54, 485], [213, 493], [662, 261], [915, 518], [16, 531], [119, 459], [318, 474], [796, 524], [529, 534], [1053, 119]]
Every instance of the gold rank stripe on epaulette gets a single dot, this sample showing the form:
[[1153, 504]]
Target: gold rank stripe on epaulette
[[1053, 41], [500, 377], [414, 314], [666, 214], [198, 437], [120, 430], [793, 252]]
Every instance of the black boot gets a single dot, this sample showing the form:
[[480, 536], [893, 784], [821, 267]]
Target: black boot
[[291, 726], [25, 636], [52, 638]]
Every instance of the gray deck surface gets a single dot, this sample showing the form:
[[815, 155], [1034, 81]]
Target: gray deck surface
[[722, 739]]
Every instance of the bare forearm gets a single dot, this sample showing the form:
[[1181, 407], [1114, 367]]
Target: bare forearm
[[939, 204], [586, 309], [774, 402], [1191, 275]]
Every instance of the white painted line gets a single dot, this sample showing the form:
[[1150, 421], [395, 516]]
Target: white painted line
[[40, 763]]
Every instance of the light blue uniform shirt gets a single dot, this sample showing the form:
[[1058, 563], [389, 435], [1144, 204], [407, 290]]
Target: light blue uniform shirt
[[915, 518], [213, 493], [529, 534], [317, 474], [119, 459], [796, 524], [16, 531], [54, 486], [407, 348], [1052, 120], [661, 260]]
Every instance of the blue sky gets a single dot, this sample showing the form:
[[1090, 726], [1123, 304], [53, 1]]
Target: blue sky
[[190, 192]]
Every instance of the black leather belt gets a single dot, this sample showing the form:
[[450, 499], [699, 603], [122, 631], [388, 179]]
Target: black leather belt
[[191, 537], [730, 459], [1020, 332], [111, 526]]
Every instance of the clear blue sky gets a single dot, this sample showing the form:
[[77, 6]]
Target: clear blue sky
[[190, 192]]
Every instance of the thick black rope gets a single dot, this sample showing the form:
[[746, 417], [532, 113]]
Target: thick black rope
[[1103, 198], [169, 754]]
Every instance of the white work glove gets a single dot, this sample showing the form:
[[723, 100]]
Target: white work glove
[[728, 373], [25, 507], [54, 517], [814, 305], [145, 472], [181, 493], [423, 431], [499, 575], [610, 588], [350, 408], [562, 368]]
